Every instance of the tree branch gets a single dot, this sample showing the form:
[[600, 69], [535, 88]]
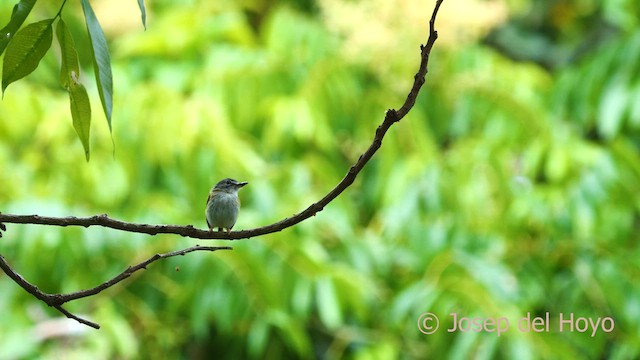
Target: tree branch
[[56, 300], [391, 117]]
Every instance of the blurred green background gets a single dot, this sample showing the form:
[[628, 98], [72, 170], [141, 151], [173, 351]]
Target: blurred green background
[[510, 188]]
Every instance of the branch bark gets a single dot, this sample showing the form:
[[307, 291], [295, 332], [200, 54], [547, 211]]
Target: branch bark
[[56, 300]]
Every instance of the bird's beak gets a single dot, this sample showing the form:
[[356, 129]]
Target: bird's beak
[[241, 184]]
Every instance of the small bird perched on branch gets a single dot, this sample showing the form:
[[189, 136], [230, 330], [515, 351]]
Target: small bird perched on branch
[[223, 205]]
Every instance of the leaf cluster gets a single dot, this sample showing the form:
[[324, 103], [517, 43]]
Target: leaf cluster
[[27, 46]]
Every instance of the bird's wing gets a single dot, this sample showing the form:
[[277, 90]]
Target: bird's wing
[[208, 198]]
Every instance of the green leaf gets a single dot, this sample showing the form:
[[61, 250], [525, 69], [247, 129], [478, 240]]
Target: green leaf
[[143, 13], [25, 51], [20, 12], [69, 75], [101, 60], [81, 113], [69, 67]]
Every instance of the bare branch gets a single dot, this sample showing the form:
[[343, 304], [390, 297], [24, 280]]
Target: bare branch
[[56, 300], [131, 269], [391, 117], [76, 318]]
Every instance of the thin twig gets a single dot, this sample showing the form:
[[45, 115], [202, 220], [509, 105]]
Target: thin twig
[[56, 300], [391, 117], [76, 318]]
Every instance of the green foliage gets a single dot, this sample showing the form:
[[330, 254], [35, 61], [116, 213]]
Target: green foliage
[[143, 13], [28, 46], [78, 97], [602, 98], [509, 189], [69, 66], [101, 60], [81, 114], [25, 51], [20, 12]]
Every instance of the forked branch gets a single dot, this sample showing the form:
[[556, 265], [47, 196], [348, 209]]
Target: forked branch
[[56, 300]]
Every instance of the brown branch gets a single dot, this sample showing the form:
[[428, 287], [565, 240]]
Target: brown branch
[[76, 318], [392, 116], [56, 300]]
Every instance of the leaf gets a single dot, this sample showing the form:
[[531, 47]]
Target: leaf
[[143, 13], [20, 12], [81, 113], [25, 51], [69, 67], [101, 60], [69, 75]]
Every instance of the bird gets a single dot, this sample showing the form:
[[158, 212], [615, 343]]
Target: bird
[[223, 205]]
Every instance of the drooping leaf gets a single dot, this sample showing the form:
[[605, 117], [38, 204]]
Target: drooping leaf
[[69, 68], [25, 51], [101, 60], [143, 13], [20, 12], [81, 113], [69, 79]]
